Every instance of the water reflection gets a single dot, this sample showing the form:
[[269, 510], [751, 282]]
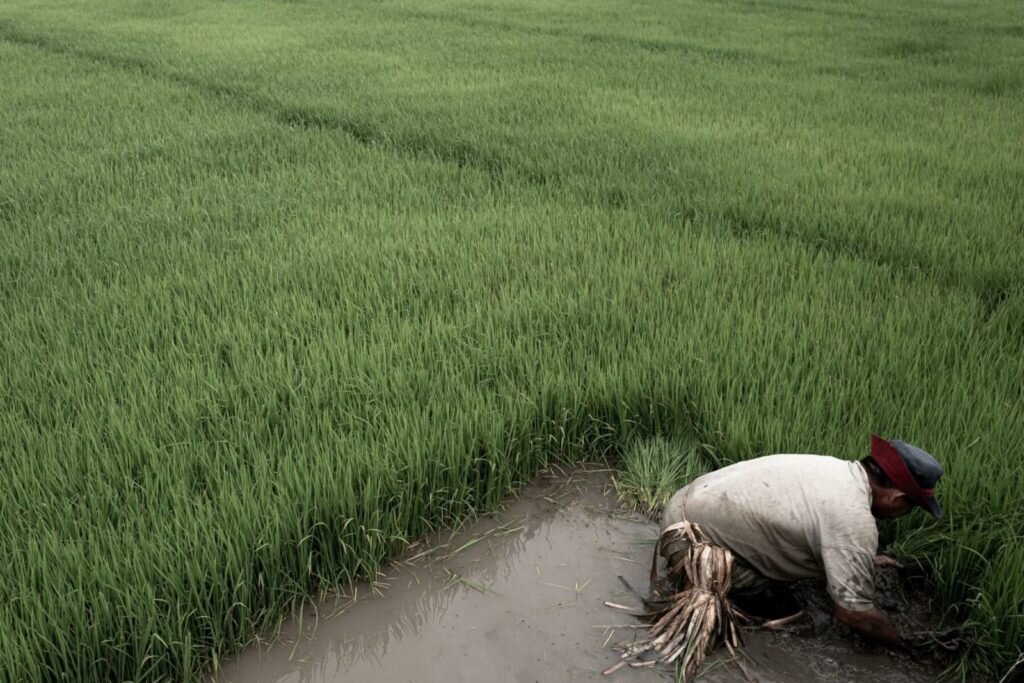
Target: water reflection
[[486, 573]]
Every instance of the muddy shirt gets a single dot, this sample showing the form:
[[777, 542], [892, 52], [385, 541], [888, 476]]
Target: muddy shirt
[[791, 517]]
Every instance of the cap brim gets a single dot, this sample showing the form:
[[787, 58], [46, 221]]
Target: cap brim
[[932, 506]]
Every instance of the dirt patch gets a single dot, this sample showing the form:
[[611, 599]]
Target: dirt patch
[[519, 596], [818, 648]]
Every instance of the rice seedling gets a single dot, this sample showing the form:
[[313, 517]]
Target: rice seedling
[[651, 470], [697, 618]]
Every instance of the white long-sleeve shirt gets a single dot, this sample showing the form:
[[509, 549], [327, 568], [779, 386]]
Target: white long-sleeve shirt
[[790, 517]]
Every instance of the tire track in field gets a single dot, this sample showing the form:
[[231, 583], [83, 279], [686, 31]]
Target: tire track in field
[[502, 170], [655, 45], [992, 293], [816, 8], [992, 290]]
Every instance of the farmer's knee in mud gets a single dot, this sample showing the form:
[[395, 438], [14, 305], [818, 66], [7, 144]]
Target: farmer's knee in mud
[[769, 600], [674, 552]]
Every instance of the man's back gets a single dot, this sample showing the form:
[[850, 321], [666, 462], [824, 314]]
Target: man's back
[[790, 517]]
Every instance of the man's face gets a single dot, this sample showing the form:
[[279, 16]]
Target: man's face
[[890, 503]]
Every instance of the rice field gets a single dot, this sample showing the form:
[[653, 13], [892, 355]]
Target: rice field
[[285, 285]]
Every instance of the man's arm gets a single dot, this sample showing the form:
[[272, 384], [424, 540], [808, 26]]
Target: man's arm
[[872, 624]]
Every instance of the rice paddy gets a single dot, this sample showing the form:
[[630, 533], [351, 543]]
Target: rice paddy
[[286, 285]]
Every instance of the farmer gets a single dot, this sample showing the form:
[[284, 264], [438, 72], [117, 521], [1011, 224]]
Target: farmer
[[788, 517]]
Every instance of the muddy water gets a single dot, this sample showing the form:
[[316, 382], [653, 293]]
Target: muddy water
[[519, 596]]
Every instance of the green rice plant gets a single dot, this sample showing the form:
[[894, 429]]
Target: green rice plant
[[651, 470]]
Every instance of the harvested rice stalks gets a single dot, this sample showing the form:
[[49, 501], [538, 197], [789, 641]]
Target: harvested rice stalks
[[689, 624]]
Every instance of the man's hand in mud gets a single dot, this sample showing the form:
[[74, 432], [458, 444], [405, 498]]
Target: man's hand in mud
[[935, 642], [886, 561], [872, 623]]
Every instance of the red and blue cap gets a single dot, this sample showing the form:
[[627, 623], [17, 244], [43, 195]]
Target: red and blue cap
[[913, 471]]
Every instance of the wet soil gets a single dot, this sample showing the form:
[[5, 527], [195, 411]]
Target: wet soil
[[519, 596]]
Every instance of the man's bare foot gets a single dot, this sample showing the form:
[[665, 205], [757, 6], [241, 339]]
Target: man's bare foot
[[777, 624]]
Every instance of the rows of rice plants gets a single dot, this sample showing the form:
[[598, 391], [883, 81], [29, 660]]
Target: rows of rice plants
[[286, 285]]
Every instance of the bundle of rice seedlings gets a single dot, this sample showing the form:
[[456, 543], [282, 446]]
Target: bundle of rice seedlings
[[688, 624]]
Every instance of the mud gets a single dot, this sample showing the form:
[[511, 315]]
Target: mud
[[519, 596]]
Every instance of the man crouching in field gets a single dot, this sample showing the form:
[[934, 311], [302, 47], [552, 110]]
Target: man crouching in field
[[789, 517]]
